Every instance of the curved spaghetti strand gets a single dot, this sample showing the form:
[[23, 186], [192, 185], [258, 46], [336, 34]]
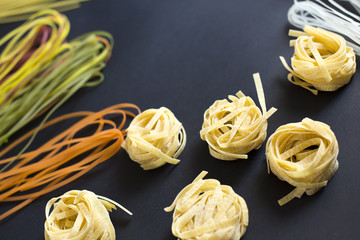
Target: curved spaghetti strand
[[234, 128], [303, 154]]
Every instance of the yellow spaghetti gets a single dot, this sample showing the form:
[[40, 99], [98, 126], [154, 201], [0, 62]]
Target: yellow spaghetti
[[17, 10]]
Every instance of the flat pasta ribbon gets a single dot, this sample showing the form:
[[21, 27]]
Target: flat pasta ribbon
[[80, 215], [232, 129], [155, 137], [303, 154], [207, 210], [321, 60]]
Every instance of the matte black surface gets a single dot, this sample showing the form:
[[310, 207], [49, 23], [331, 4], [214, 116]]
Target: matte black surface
[[185, 54]]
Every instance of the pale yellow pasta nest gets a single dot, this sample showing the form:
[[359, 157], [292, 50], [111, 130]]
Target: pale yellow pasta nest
[[234, 128], [155, 137], [207, 210], [321, 60], [80, 215], [303, 154]]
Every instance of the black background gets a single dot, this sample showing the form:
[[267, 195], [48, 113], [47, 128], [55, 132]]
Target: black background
[[184, 55]]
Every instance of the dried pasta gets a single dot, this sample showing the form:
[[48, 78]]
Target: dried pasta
[[207, 210], [40, 69], [321, 60], [93, 139], [155, 137], [80, 215], [303, 154], [17, 10], [232, 129]]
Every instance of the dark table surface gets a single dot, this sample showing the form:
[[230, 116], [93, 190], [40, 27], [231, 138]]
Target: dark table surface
[[184, 55]]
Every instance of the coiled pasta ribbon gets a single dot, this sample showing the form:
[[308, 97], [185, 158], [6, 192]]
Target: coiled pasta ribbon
[[17, 10], [303, 154], [64, 158], [39, 70], [232, 129], [80, 215], [155, 137], [321, 60], [207, 210]]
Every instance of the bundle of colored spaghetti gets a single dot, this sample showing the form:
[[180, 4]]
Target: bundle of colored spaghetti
[[39, 70], [17, 10], [63, 158]]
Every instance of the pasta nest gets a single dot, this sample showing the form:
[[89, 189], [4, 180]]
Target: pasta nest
[[155, 137], [80, 215], [234, 128], [207, 210], [321, 60], [303, 154]]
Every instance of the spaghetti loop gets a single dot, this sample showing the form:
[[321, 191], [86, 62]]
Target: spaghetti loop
[[155, 137], [321, 60], [303, 154], [232, 129], [207, 210], [79, 215]]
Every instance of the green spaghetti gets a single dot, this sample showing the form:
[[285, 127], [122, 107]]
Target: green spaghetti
[[40, 70]]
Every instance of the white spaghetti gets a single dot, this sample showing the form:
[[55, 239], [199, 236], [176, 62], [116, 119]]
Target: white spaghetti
[[332, 17]]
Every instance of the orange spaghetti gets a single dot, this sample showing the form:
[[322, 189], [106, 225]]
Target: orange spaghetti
[[63, 158]]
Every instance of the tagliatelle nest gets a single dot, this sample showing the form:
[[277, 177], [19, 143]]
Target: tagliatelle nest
[[303, 154], [321, 60], [234, 128], [155, 137], [80, 215], [207, 210]]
